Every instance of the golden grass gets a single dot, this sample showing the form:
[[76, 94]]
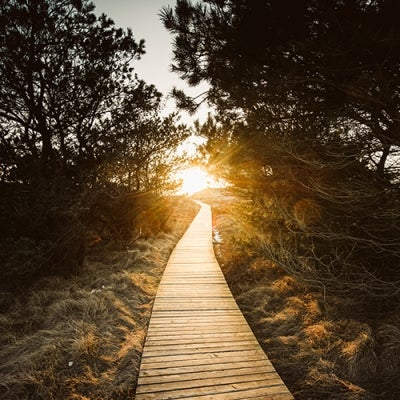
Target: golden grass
[[81, 337], [322, 347]]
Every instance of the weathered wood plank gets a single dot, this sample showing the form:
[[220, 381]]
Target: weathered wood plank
[[168, 362], [238, 390], [201, 329], [204, 343], [211, 374], [242, 395], [197, 320], [161, 341], [161, 333], [217, 356], [193, 312], [192, 351], [214, 368], [199, 345], [217, 338], [217, 380]]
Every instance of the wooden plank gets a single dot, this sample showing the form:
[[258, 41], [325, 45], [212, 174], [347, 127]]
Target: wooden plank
[[195, 350], [207, 309], [250, 379], [170, 331], [207, 336], [243, 395], [154, 329], [172, 345], [199, 345], [228, 391], [204, 358], [211, 374], [160, 340], [215, 303], [167, 363], [232, 318], [159, 373]]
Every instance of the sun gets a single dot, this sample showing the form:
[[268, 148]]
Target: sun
[[194, 180]]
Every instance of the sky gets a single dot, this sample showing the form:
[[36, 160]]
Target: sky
[[142, 16]]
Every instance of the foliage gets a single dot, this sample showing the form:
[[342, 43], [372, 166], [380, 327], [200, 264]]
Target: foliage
[[307, 129], [322, 347], [141, 148], [76, 124], [81, 336], [41, 233], [61, 69]]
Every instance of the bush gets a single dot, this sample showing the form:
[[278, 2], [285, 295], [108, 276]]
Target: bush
[[46, 231], [332, 224], [41, 234], [324, 347], [121, 216]]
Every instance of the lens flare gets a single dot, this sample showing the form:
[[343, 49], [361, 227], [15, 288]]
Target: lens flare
[[194, 180]]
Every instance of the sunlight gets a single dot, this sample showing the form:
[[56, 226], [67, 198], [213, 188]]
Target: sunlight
[[194, 180]]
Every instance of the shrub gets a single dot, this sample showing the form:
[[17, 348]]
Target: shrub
[[41, 234]]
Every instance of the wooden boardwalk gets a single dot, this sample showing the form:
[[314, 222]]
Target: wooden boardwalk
[[199, 346]]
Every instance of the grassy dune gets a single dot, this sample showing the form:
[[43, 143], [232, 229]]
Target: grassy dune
[[81, 337], [324, 348]]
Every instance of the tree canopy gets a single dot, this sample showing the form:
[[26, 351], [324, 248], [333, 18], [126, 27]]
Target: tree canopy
[[307, 93], [83, 149], [63, 74]]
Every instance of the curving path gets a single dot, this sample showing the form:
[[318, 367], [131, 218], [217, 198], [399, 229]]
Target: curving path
[[199, 346]]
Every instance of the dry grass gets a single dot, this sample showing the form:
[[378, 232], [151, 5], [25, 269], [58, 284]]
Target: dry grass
[[81, 337], [323, 348]]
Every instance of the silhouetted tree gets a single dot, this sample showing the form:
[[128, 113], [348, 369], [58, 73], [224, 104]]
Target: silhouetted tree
[[72, 112], [61, 70], [309, 95], [140, 145]]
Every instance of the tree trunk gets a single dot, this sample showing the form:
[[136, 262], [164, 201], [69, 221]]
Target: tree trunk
[[380, 168]]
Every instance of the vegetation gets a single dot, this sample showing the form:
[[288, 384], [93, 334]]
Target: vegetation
[[309, 129], [81, 336], [307, 134], [85, 229], [322, 347], [84, 155]]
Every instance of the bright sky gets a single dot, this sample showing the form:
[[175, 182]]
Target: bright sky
[[142, 16]]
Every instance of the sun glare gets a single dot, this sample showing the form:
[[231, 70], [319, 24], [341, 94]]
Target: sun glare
[[194, 180]]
